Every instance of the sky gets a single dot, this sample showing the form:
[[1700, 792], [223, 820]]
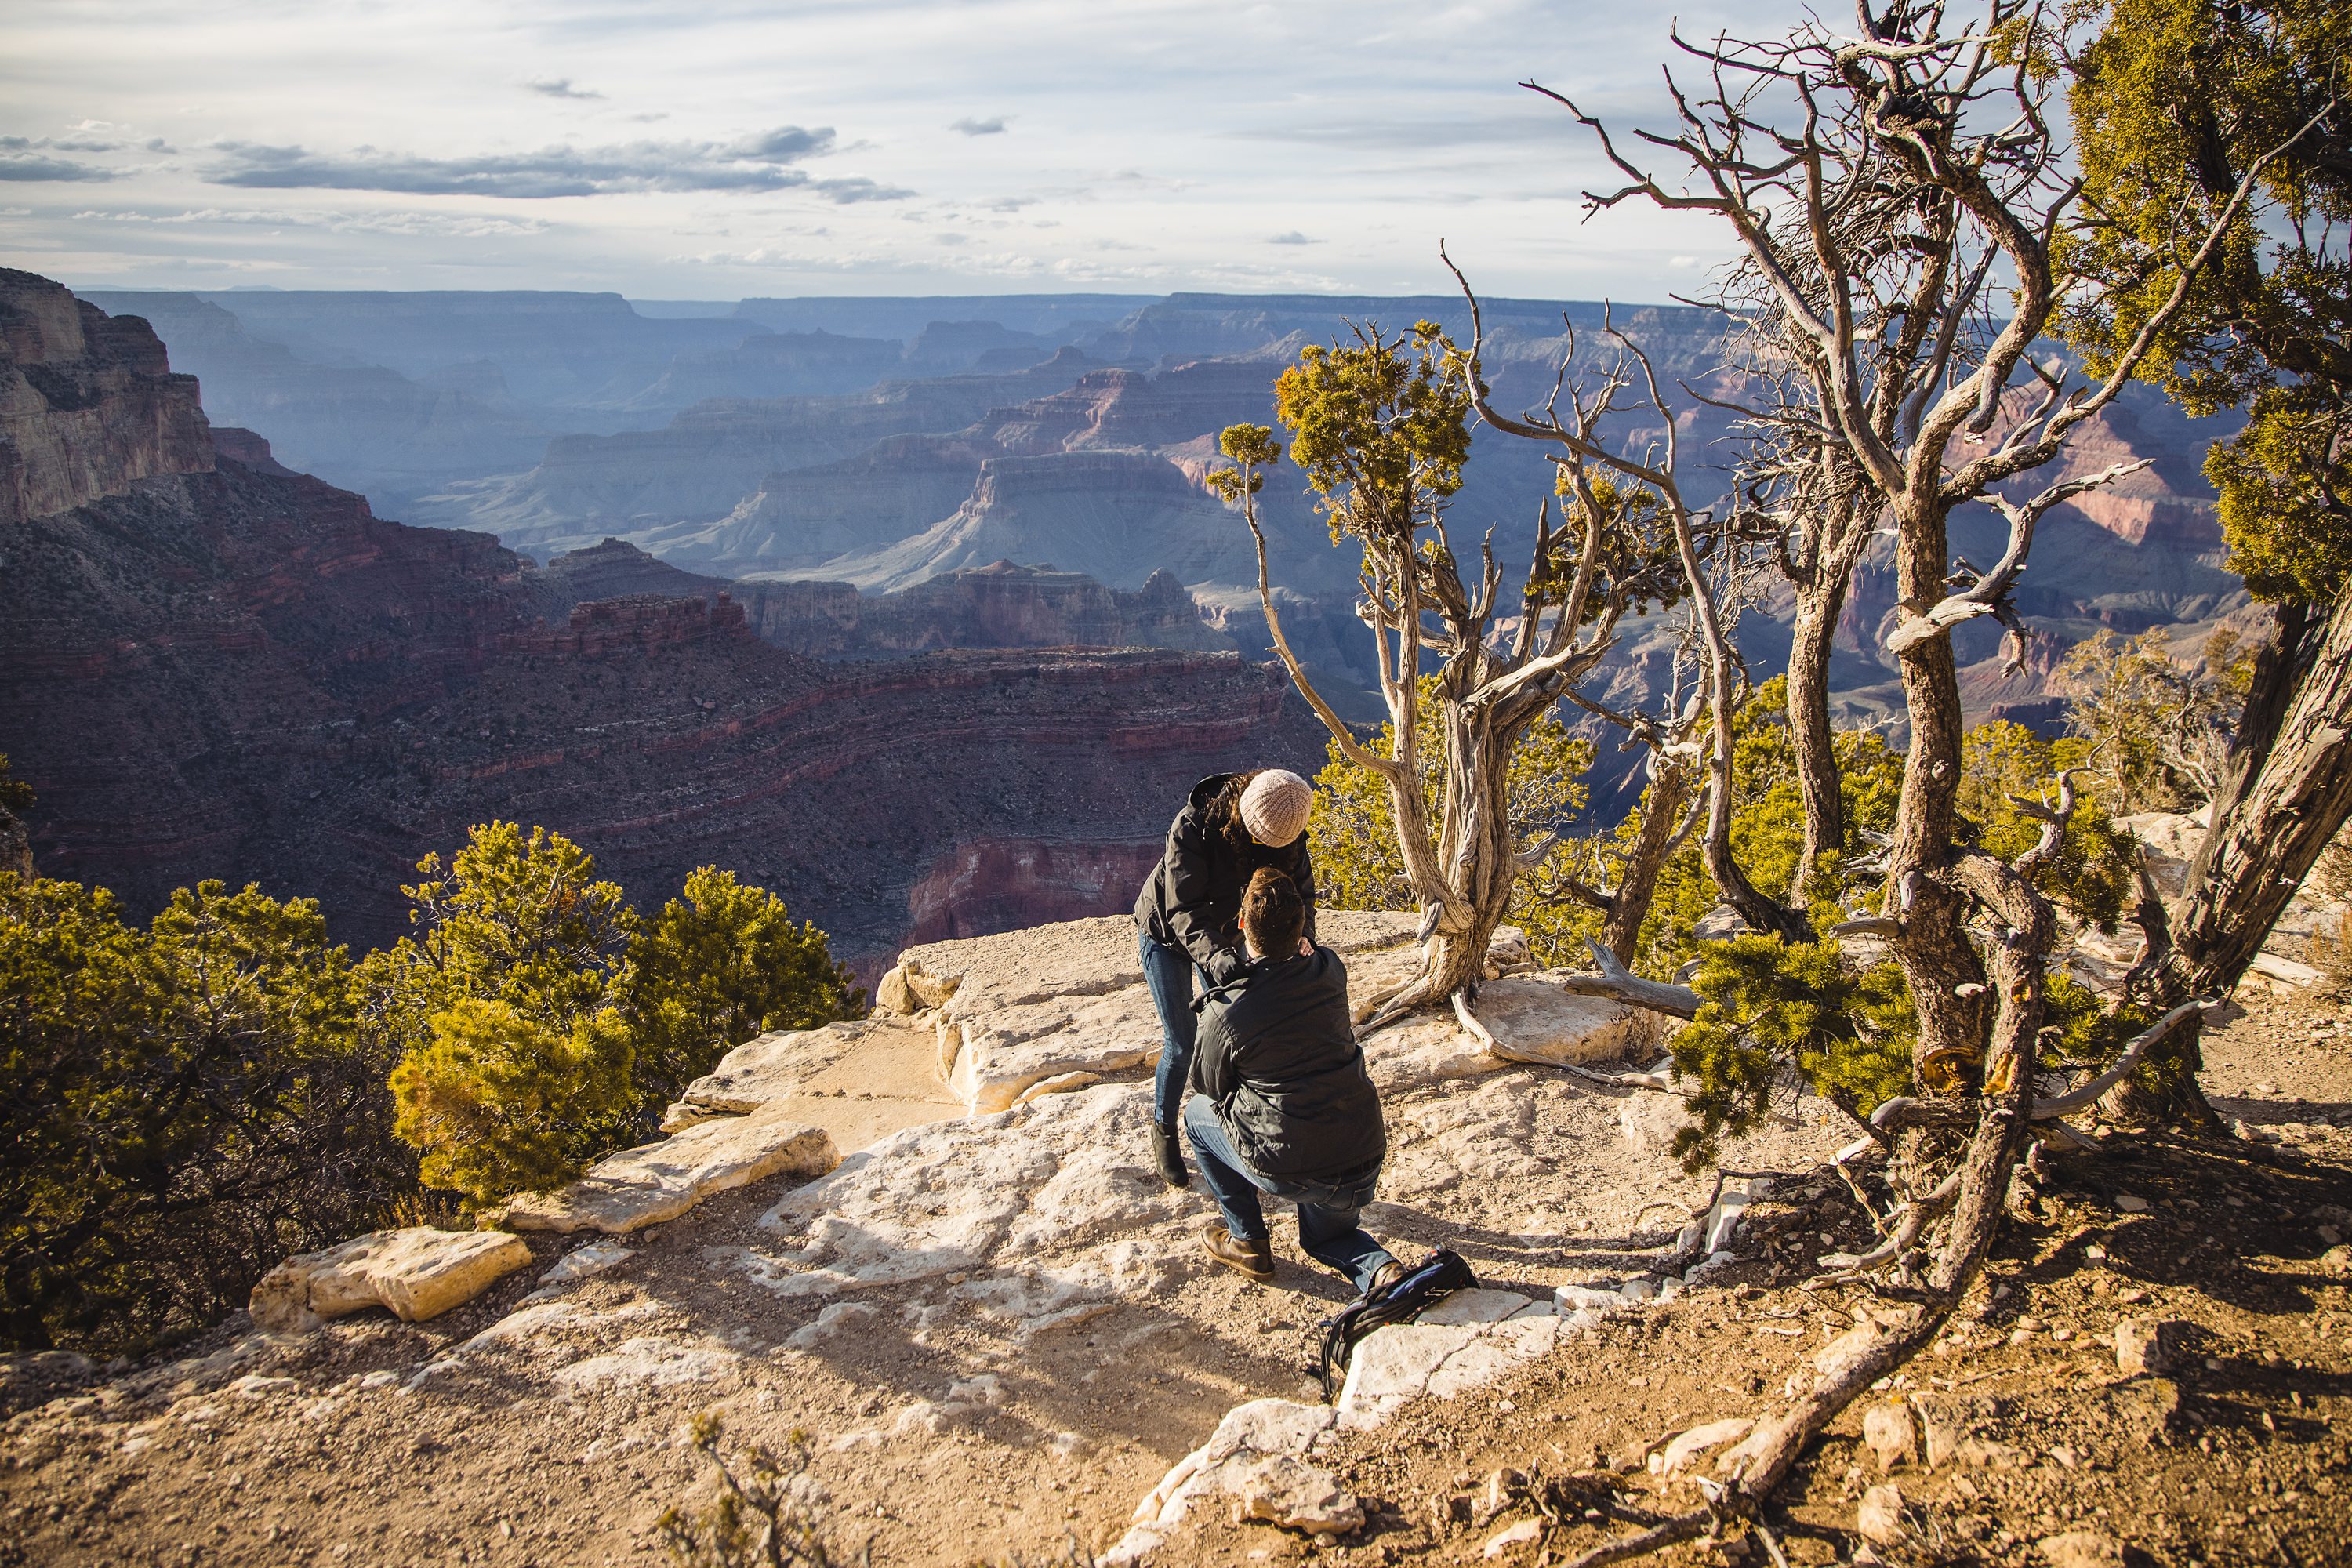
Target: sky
[[718, 150]]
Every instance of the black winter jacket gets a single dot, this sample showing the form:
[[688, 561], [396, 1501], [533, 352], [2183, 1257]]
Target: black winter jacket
[[1278, 1059], [1193, 900]]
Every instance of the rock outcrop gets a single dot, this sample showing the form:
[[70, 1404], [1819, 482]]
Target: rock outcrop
[[416, 1273], [659, 1181], [1009, 1310], [88, 405]]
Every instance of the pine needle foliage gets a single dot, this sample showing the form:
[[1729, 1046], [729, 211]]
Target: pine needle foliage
[[182, 1107], [1772, 1005]]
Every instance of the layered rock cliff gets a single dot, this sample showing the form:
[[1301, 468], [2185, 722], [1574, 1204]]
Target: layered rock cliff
[[210, 667], [89, 404], [999, 605]]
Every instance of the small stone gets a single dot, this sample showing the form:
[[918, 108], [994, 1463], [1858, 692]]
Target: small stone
[[1892, 1434], [1525, 1533], [1943, 1425], [2150, 1347], [2082, 1549], [1297, 1496], [2132, 1298], [2329, 1236], [2145, 1406], [1879, 1519], [2126, 1203]]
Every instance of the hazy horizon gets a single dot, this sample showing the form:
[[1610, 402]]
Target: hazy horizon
[[826, 149]]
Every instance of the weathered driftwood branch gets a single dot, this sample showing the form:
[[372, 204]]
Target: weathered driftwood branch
[[1619, 983]]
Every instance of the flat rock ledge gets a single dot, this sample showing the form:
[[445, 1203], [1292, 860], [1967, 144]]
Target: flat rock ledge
[[1037, 1011], [1261, 1454], [418, 1272], [657, 1182]]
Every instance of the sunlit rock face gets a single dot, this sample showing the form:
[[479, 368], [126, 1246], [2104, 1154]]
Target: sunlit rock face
[[89, 404]]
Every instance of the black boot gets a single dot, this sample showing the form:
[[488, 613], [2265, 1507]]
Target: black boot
[[1169, 1153]]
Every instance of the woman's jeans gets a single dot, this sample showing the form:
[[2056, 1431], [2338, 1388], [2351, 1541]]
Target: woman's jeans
[[1169, 971], [1327, 1214]]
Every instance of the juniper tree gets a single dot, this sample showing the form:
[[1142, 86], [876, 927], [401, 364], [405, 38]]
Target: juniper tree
[[2198, 119], [1380, 428]]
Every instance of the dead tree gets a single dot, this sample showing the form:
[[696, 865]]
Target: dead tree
[[1696, 534], [1873, 183], [1920, 161], [1377, 436]]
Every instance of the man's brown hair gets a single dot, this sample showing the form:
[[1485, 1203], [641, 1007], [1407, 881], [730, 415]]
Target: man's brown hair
[[1273, 913]]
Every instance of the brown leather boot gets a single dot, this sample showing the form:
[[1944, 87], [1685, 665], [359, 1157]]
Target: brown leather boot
[[1388, 1274], [1250, 1259]]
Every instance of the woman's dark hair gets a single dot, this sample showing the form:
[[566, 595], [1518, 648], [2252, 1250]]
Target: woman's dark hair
[[1273, 913], [1225, 810]]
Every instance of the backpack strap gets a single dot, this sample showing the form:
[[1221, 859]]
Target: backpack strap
[[1442, 1274]]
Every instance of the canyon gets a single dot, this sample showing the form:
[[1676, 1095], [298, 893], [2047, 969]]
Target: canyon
[[211, 666], [883, 443]]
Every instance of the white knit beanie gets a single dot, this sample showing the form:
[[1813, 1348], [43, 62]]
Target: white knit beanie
[[1275, 806]]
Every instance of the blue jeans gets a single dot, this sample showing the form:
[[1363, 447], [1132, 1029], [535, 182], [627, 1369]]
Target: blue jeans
[[1327, 1214], [1169, 972]]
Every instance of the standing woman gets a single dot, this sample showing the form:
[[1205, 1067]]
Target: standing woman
[[1188, 916]]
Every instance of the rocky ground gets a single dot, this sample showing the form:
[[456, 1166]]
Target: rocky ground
[[998, 1335], [2233, 1446]]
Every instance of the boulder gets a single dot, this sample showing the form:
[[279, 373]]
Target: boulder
[[656, 1182], [1295, 1495], [418, 1272], [769, 1068], [1533, 1020], [892, 994]]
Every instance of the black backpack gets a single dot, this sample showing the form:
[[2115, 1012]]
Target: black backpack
[[1401, 1302]]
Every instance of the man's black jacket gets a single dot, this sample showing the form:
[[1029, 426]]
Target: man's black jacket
[[1192, 899], [1278, 1059]]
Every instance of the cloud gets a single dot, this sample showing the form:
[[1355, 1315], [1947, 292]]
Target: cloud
[[461, 225], [760, 161], [560, 86], [1293, 237], [22, 166], [993, 126]]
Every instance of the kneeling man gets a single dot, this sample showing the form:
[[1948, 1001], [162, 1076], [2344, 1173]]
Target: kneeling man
[[1282, 1104]]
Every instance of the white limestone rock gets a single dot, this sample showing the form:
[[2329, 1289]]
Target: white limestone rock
[[1256, 1455], [660, 1181], [1445, 1360], [1025, 1007], [418, 1272], [769, 1068], [648, 1360], [1061, 1174], [1535, 1020]]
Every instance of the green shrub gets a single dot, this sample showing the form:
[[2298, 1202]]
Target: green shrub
[[1770, 1004], [181, 1108], [720, 964], [499, 1102]]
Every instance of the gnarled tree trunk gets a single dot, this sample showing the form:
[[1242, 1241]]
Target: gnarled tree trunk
[[1637, 878], [2286, 794]]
